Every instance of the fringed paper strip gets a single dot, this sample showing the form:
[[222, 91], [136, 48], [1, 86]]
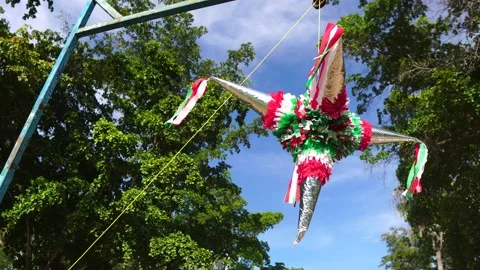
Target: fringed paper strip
[[198, 89], [272, 107], [293, 192], [413, 182], [314, 164]]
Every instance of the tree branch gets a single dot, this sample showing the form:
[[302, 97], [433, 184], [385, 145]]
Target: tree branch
[[470, 139], [53, 256], [3, 232]]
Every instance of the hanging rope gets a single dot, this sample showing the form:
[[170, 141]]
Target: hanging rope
[[188, 141], [319, 27]]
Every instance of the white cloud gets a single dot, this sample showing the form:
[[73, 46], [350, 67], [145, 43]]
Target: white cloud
[[265, 22], [230, 24], [262, 22], [51, 20]]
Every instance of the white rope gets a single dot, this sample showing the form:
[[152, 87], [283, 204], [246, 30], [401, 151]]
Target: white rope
[[319, 26]]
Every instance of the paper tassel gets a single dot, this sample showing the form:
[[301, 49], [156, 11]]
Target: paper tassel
[[416, 171], [293, 192], [256, 100], [194, 93]]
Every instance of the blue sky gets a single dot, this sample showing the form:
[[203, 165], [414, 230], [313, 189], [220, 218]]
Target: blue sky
[[355, 207]]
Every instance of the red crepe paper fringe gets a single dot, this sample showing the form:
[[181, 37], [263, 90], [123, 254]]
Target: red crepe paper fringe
[[366, 135], [314, 168], [273, 105], [338, 107]]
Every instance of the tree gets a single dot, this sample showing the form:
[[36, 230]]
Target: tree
[[405, 251], [429, 68], [279, 266], [31, 7], [102, 140]]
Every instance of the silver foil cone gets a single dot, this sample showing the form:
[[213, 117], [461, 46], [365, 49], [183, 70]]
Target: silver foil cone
[[309, 192], [257, 101], [383, 136]]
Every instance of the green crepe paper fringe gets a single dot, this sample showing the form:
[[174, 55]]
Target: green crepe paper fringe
[[314, 131]]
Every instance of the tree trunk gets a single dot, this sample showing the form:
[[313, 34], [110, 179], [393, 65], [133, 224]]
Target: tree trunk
[[53, 256], [439, 259], [2, 236], [438, 246], [28, 252]]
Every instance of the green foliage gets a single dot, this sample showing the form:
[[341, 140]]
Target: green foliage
[[31, 7], [405, 252], [279, 266], [102, 140], [179, 251], [5, 261], [429, 68]]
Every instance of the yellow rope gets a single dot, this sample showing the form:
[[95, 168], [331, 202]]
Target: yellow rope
[[189, 140]]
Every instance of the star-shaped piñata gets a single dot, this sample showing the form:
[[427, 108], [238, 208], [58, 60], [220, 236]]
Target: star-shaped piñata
[[316, 128]]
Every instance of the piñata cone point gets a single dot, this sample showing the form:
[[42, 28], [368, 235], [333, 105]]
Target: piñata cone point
[[309, 193], [383, 136], [257, 101]]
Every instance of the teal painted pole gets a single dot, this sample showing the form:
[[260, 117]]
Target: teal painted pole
[[78, 31], [42, 100], [108, 9], [148, 15]]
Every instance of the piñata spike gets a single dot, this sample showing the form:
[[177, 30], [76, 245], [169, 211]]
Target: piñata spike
[[335, 80], [256, 100], [383, 136], [309, 192]]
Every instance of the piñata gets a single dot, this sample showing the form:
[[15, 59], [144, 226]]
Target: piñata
[[316, 128]]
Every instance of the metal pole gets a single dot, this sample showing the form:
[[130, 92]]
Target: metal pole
[[108, 9], [148, 15], [42, 100]]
